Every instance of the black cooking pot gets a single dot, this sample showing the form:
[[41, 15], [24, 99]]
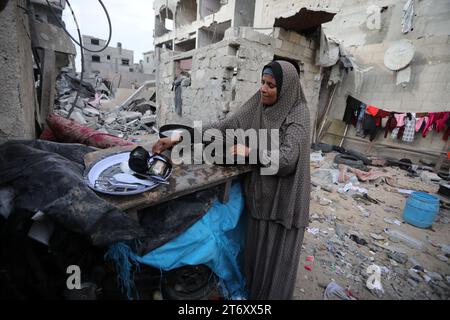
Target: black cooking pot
[[168, 129]]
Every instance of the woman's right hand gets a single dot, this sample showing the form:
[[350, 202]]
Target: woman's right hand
[[162, 145], [165, 143]]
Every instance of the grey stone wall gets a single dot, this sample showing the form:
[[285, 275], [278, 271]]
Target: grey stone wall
[[17, 93], [428, 90]]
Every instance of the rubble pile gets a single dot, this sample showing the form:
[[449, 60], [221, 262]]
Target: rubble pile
[[125, 119], [359, 241]]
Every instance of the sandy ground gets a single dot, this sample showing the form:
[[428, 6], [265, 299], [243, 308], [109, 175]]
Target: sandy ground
[[342, 260]]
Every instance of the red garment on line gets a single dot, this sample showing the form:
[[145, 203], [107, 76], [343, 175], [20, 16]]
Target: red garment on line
[[441, 121], [372, 110]]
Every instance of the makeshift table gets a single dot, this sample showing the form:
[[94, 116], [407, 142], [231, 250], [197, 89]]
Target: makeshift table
[[185, 179]]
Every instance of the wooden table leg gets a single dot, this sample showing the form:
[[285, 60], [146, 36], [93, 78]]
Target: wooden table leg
[[224, 194]]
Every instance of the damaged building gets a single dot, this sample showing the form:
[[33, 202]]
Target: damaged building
[[223, 45], [115, 64]]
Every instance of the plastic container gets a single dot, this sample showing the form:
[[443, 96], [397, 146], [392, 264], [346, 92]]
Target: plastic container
[[406, 239], [421, 209]]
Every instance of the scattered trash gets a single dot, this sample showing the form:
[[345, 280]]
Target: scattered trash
[[399, 257], [364, 211], [430, 177], [313, 231], [377, 236], [413, 274], [309, 268], [358, 240], [334, 291], [446, 249], [434, 275], [316, 156], [350, 187], [406, 239], [340, 230], [326, 175], [364, 198], [442, 258], [373, 283]]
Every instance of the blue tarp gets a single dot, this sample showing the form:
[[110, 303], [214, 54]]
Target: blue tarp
[[216, 241]]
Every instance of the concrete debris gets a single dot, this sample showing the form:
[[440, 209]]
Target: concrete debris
[[131, 116]]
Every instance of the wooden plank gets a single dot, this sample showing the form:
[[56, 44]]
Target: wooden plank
[[224, 194]]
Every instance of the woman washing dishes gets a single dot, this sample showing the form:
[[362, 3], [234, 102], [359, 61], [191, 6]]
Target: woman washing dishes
[[278, 205]]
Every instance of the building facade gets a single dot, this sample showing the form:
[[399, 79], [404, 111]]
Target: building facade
[[217, 43], [111, 60]]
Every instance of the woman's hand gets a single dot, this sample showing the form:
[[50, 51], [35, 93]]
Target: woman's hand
[[240, 149], [165, 143]]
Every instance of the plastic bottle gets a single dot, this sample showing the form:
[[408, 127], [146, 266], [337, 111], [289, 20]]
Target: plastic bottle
[[408, 240]]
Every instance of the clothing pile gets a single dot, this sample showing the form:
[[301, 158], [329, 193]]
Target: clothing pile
[[370, 120]]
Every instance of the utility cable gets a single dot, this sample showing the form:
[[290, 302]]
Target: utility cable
[[79, 43]]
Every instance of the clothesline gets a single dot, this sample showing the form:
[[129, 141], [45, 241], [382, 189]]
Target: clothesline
[[403, 126]]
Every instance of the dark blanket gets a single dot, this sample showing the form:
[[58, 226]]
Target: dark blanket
[[48, 176]]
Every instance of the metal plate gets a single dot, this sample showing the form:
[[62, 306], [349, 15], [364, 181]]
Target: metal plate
[[399, 55], [106, 168]]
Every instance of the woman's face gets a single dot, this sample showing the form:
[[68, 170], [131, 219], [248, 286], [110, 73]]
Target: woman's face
[[268, 90]]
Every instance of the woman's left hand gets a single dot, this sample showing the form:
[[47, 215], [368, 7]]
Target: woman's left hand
[[240, 149]]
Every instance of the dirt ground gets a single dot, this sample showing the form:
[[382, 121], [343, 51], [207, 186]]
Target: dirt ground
[[333, 256]]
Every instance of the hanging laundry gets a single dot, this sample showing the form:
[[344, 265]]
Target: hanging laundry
[[370, 127], [420, 123], [429, 126], [400, 117], [359, 124], [401, 130], [410, 126], [394, 133], [372, 110], [352, 110], [391, 124], [380, 115], [441, 121]]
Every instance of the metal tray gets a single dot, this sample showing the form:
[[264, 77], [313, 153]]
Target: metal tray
[[106, 167]]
